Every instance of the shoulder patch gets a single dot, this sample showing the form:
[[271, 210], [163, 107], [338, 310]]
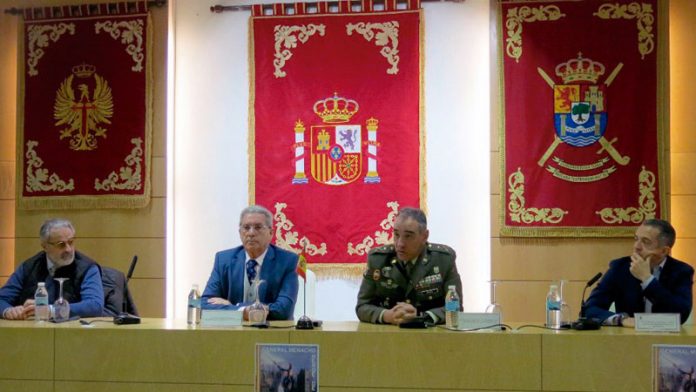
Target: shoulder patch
[[440, 248], [383, 249]]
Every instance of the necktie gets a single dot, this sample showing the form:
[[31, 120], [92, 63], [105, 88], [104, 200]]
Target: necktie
[[251, 270], [648, 304], [408, 266]]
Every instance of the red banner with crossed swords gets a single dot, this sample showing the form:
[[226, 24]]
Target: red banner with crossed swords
[[584, 123]]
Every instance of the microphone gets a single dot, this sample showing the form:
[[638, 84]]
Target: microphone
[[590, 282], [124, 317], [135, 261], [585, 323]]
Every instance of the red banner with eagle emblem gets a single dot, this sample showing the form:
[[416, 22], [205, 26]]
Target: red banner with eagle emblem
[[336, 140], [85, 121], [584, 116]]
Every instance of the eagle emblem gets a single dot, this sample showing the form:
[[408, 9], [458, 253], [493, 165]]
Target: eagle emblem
[[84, 116]]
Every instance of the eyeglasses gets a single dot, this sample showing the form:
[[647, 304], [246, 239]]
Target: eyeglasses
[[248, 228], [62, 244]]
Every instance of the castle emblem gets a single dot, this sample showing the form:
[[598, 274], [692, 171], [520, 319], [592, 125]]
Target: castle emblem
[[85, 115], [580, 119], [336, 147]]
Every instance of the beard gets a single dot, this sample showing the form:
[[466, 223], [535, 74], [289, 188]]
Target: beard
[[66, 258]]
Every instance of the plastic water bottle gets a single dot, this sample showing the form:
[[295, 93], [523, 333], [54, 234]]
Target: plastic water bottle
[[41, 310], [553, 307], [452, 307], [193, 317]]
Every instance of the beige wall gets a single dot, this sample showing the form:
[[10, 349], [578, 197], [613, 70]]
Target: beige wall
[[110, 236], [525, 266]]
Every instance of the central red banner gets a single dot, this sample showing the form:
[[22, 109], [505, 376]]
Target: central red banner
[[335, 142]]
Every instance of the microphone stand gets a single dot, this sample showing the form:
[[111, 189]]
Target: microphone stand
[[583, 323], [304, 322], [124, 317]]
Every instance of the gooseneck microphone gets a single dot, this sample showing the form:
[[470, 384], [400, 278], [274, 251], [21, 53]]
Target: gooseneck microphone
[[124, 317], [135, 261], [585, 323], [589, 283]]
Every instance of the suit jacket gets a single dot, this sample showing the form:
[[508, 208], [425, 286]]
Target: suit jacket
[[671, 293], [384, 283], [279, 270]]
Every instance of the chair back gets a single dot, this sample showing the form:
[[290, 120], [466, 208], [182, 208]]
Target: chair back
[[116, 292]]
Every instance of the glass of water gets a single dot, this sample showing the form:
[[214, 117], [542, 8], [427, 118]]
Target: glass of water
[[61, 307]]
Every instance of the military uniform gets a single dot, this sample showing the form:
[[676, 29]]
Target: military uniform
[[385, 282]]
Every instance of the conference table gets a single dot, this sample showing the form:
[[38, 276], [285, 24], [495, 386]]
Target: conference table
[[169, 355]]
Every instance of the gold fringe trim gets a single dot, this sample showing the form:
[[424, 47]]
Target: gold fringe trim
[[663, 112], [252, 120], [337, 271], [423, 182], [84, 202], [626, 231]]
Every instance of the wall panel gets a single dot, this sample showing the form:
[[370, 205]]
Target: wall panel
[[556, 258], [148, 295], [145, 222], [112, 252]]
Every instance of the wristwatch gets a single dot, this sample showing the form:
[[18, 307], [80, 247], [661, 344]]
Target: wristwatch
[[621, 318]]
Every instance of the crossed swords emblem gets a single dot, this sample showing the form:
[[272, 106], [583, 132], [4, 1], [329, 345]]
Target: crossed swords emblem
[[607, 145]]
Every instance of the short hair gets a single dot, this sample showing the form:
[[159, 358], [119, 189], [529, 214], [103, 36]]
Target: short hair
[[667, 235], [416, 214], [54, 223], [257, 209]]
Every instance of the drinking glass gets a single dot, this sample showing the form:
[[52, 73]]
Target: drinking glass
[[494, 306], [566, 311], [61, 308], [257, 312]]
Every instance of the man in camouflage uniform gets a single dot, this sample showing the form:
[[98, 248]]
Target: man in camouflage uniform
[[410, 277]]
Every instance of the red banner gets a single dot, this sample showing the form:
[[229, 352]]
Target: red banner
[[336, 137], [584, 117], [85, 93]]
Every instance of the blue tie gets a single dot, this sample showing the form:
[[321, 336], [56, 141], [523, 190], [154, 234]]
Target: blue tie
[[251, 270], [648, 304]]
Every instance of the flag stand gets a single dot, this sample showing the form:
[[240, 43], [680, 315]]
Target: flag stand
[[304, 322]]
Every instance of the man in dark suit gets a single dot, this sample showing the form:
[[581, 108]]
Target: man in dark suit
[[409, 278], [649, 280], [233, 282]]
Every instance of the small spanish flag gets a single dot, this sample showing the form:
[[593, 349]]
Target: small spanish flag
[[302, 266]]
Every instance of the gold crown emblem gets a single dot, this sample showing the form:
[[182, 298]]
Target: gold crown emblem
[[84, 70], [335, 109], [580, 69]]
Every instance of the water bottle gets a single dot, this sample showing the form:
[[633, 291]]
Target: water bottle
[[193, 317], [41, 310], [553, 308], [452, 307]]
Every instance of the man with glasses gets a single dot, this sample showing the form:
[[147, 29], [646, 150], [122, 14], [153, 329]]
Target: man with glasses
[[237, 271], [59, 259], [648, 281]]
